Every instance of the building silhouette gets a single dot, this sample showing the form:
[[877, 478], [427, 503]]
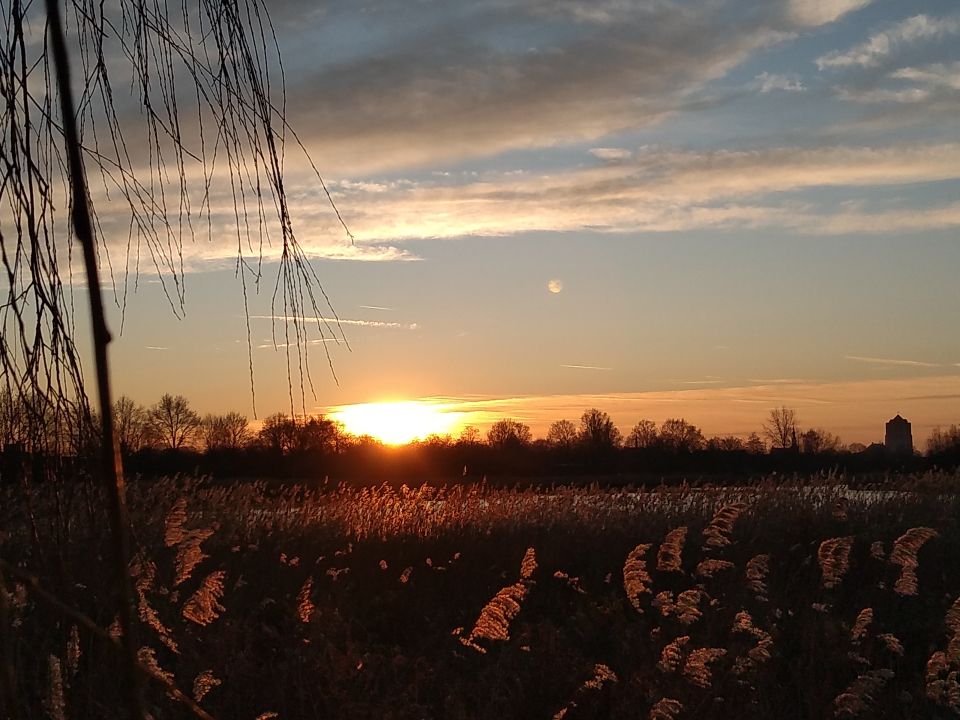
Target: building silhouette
[[899, 437]]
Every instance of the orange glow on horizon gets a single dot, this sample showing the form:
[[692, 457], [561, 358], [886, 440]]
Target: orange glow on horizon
[[398, 423]]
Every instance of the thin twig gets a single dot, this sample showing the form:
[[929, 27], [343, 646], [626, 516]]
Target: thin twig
[[143, 672], [111, 463]]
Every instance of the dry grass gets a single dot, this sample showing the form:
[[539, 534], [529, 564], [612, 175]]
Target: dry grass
[[293, 602]]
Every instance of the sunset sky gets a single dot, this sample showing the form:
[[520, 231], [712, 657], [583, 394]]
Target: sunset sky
[[661, 209]]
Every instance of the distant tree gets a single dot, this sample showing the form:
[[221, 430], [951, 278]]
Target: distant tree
[[436, 441], [508, 433], [728, 443], [278, 432], [173, 422], [677, 435], [224, 432], [597, 431], [856, 447], [781, 427], [319, 433], [755, 445], [470, 435], [818, 440], [944, 440], [643, 435], [562, 435], [132, 424], [13, 421]]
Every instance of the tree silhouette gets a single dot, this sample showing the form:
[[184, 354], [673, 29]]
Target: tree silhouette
[[677, 435], [781, 427], [563, 434], [225, 432], [206, 117], [643, 435], [173, 422], [508, 433], [132, 424], [597, 431]]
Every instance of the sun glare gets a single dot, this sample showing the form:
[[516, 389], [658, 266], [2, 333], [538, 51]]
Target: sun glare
[[396, 423]]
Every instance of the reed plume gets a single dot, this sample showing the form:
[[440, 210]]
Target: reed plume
[[672, 654], [174, 533], [602, 675], [669, 554], [305, 606], [73, 650], [892, 643], [148, 658], [54, 703], [495, 617], [861, 693], [710, 567], [834, 557], [761, 652], [666, 709], [189, 554], [529, 564], [203, 684], [636, 579], [697, 667], [717, 533], [204, 606], [904, 554], [686, 609], [861, 625], [757, 569]]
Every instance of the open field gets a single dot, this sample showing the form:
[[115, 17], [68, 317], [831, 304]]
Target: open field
[[796, 601]]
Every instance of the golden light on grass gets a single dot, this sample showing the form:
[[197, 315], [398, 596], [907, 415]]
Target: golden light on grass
[[397, 423]]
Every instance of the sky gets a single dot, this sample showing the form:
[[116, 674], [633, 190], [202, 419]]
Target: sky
[[661, 209]]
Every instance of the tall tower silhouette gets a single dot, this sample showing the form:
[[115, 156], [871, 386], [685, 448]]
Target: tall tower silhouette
[[899, 437]]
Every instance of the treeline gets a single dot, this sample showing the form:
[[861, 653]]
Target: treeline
[[170, 436]]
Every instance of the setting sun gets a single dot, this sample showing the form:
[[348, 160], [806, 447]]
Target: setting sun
[[396, 423]]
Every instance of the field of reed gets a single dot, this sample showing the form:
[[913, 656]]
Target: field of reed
[[258, 600]]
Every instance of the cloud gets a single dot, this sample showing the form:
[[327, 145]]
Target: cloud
[[821, 12], [375, 307], [881, 45], [766, 82], [611, 153], [661, 191], [891, 361], [339, 321], [586, 367], [857, 410], [476, 79], [360, 253], [938, 75], [154, 347]]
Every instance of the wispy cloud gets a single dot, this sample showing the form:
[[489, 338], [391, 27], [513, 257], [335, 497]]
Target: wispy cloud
[[374, 307], [446, 88], [586, 367], [606, 153], [768, 82], [667, 191], [882, 45], [938, 74], [360, 253], [821, 12], [891, 361], [154, 347], [856, 410], [267, 344], [340, 321]]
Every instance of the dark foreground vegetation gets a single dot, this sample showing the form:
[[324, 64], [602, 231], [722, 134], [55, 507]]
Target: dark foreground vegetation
[[263, 600]]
